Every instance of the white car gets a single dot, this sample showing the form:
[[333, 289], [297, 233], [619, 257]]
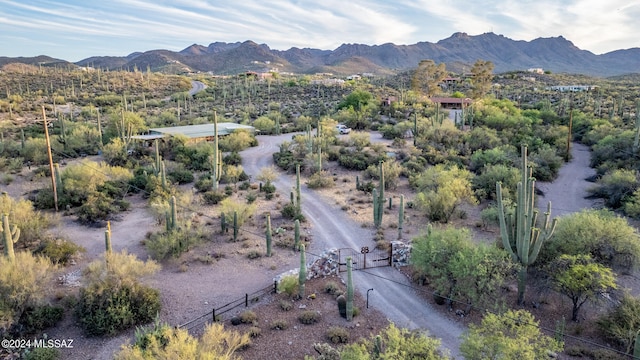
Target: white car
[[343, 129]]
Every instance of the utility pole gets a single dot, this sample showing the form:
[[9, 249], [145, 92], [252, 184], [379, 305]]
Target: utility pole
[[53, 176]]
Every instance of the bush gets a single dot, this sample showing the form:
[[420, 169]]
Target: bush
[[204, 183], [39, 318], [213, 197], [107, 309], [291, 211], [621, 323], [254, 332], [59, 251], [180, 176], [321, 179], [286, 305], [22, 284], [616, 187], [248, 317], [279, 325], [42, 354], [163, 245], [338, 335], [32, 223], [233, 158], [288, 285], [331, 287], [309, 317]]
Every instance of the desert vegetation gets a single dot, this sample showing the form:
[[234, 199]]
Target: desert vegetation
[[470, 176]]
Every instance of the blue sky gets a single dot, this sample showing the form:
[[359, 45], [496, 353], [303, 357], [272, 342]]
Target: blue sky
[[76, 29]]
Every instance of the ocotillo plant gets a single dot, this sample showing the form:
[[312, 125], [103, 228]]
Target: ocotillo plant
[[520, 236], [349, 289], [10, 235], [107, 239], [216, 165], [302, 274], [296, 235], [268, 234], [400, 217]]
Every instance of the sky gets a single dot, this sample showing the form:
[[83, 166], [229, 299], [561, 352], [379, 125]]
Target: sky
[[73, 30]]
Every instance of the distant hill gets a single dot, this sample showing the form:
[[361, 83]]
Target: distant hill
[[459, 52]]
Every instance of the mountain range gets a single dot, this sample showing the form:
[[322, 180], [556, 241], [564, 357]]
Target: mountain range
[[458, 52]]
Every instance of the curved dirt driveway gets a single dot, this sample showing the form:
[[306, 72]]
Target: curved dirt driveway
[[392, 293]]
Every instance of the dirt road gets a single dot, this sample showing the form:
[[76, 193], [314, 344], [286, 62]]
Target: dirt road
[[331, 229]]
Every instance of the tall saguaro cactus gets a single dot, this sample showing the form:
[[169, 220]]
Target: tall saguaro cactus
[[520, 236], [296, 235], [10, 235], [400, 217], [298, 198], [378, 199], [302, 274], [349, 288], [172, 215], [107, 239], [268, 235]]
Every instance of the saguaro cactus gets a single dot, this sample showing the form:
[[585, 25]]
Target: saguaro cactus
[[268, 234], [10, 235], [349, 289], [520, 236], [296, 235], [172, 216], [235, 226], [378, 199], [107, 238], [302, 274]]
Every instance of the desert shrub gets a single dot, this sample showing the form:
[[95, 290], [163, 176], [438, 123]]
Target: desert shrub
[[245, 185], [32, 223], [288, 285], [115, 153], [321, 179], [616, 186], [484, 184], [309, 317], [359, 160], [254, 332], [331, 287], [204, 183], [269, 188], [245, 211], [391, 170], [248, 317], [195, 157], [42, 354], [113, 300], [286, 305], [59, 251], [489, 216], [254, 254], [180, 176], [622, 322], [237, 141], [291, 211], [279, 325], [546, 163], [213, 197], [163, 245], [40, 317], [168, 342], [23, 283], [233, 158], [338, 335], [503, 155], [608, 238], [251, 197]]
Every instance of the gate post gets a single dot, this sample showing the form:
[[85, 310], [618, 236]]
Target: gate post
[[391, 254]]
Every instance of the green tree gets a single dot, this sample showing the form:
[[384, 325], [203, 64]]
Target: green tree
[[512, 335], [427, 77], [607, 237], [622, 323], [264, 124], [580, 279], [481, 77], [441, 189]]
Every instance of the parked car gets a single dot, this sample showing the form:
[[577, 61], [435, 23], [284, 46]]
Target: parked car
[[343, 129]]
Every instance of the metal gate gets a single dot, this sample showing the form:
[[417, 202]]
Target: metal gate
[[365, 258]]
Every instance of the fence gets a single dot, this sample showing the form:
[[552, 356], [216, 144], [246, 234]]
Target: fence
[[216, 313]]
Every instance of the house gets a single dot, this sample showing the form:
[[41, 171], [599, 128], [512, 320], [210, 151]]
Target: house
[[195, 133], [572, 88], [451, 103]]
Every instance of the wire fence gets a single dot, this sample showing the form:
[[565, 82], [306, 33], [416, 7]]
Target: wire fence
[[216, 314]]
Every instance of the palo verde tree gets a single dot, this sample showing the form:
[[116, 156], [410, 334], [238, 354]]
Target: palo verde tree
[[580, 278], [481, 76], [520, 236]]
